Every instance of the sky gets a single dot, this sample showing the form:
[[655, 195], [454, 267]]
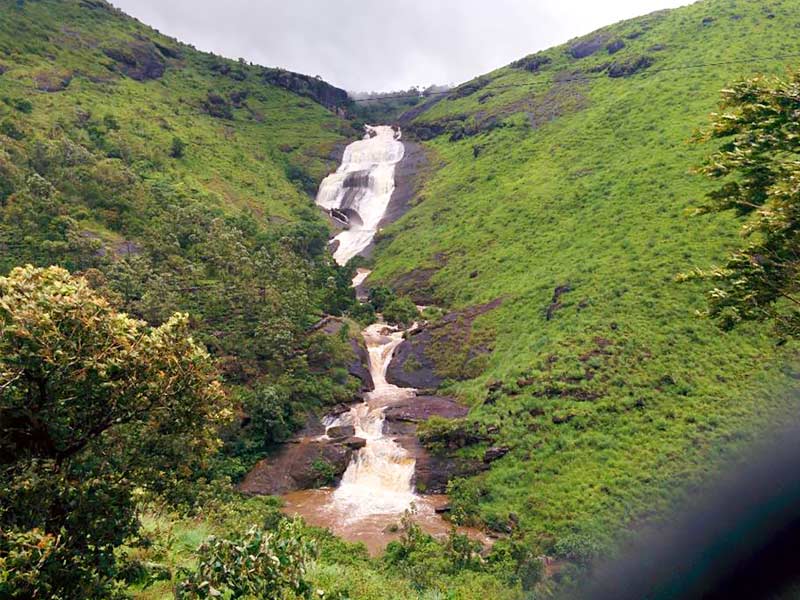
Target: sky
[[378, 45]]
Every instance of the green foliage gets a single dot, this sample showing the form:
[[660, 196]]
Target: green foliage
[[178, 148], [401, 311], [757, 123], [259, 565], [92, 404], [395, 309], [325, 473]]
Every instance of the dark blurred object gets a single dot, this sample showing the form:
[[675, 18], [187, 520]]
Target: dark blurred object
[[741, 540]]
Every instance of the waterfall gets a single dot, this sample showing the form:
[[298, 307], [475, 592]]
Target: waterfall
[[358, 193], [379, 477]]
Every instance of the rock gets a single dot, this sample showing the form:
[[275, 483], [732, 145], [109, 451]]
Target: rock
[[587, 47], [707, 21], [444, 509], [3, 69], [52, 81], [555, 304], [615, 46], [561, 419], [433, 472], [354, 443], [360, 367], [140, 60], [340, 432], [311, 87], [629, 67], [297, 467], [532, 63], [422, 408], [495, 453], [413, 363]]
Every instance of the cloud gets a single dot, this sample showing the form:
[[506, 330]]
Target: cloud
[[376, 45]]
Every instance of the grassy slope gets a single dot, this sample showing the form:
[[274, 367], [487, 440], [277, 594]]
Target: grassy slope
[[237, 164], [597, 197]]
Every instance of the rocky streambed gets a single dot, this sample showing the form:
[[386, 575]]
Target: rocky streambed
[[358, 469]]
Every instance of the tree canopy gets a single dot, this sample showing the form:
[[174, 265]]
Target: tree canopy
[[758, 163], [93, 404]]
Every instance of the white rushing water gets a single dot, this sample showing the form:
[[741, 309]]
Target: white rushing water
[[379, 477], [360, 190]]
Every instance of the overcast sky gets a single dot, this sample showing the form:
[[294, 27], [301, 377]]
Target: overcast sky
[[382, 45]]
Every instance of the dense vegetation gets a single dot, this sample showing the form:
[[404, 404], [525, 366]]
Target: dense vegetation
[[565, 193], [172, 181]]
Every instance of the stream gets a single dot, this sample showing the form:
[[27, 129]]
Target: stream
[[378, 486]]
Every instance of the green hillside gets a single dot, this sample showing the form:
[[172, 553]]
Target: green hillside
[[562, 188], [181, 178]]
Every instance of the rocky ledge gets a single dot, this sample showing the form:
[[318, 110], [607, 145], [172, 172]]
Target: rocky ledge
[[432, 471]]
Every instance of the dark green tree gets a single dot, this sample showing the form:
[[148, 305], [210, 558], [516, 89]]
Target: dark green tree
[[93, 404]]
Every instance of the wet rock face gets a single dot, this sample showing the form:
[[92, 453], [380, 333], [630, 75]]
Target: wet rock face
[[447, 348], [340, 432], [139, 60], [300, 466], [432, 472], [360, 367], [411, 367]]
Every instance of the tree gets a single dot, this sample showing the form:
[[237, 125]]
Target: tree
[[758, 163], [93, 404]]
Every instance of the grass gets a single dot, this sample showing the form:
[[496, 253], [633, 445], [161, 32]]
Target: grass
[[649, 399]]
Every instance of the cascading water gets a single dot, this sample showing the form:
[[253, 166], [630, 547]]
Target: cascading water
[[379, 478], [377, 487], [359, 192]]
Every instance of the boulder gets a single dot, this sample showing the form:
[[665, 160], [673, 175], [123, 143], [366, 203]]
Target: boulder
[[495, 453], [340, 432], [140, 60], [297, 467], [360, 367], [422, 408], [354, 443], [587, 47], [629, 67]]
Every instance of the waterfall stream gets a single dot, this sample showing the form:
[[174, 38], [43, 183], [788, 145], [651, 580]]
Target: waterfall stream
[[379, 479], [358, 193], [378, 485]]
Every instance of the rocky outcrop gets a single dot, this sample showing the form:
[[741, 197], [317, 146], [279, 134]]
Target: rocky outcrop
[[52, 81], [447, 348], [432, 472], [588, 46], [140, 60], [359, 368], [629, 67], [303, 465], [411, 366], [311, 87], [408, 176]]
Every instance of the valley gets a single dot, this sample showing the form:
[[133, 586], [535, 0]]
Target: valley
[[253, 342]]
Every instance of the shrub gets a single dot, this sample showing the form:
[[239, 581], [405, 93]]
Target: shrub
[[260, 564]]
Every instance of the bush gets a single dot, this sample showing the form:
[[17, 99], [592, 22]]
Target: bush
[[258, 565], [178, 148]]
